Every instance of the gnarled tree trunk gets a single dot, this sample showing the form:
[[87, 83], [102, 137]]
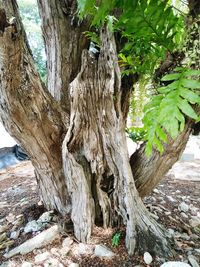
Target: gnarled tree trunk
[[73, 130]]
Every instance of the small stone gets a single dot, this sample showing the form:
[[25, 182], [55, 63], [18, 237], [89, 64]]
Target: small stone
[[185, 236], [103, 251], [175, 264], [194, 222], [40, 258], [171, 232], [170, 198], [147, 258], [14, 235], [193, 261], [33, 226], [183, 215], [183, 207], [26, 264], [46, 217], [85, 249], [156, 191], [67, 242]]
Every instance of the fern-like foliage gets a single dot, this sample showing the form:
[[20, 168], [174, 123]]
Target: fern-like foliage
[[150, 29], [165, 113]]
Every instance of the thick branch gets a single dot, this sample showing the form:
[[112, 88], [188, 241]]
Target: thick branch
[[27, 110], [148, 171], [64, 42]]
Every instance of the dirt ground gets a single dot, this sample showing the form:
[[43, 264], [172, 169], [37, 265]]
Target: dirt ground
[[18, 195]]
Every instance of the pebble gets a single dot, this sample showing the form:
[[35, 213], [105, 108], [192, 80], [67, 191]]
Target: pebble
[[33, 226], [14, 235], [67, 242], [194, 222], [40, 258], [183, 215], [147, 258], [183, 207], [103, 251], [171, 199], [46, 217]]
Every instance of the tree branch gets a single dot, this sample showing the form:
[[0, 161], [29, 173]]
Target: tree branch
[[27, 110], [64, 41]]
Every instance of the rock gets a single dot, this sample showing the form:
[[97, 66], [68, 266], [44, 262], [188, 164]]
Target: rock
[[38, 241], [103, 251], [46, 217], [67, 242], [193, 261], [185, 236], [14, 235], [74, 264], [85, 249], [175, 264], [170, 198], [26, 264], [183, 215], [171, 232], [40, 258], [147, 258], [195, 221], [33, 226], [183, 207], [156, 191]]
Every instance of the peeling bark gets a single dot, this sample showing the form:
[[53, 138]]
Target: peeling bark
[[64, 41], [30, 114], [97, 179], [95, 149]]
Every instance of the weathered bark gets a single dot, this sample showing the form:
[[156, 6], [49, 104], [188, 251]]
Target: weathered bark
[[94, 150], [97, 178], [149, 171], [29, 113], [64, 41]]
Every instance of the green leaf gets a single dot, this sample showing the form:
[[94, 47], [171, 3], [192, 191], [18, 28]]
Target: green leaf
[[187, 109], [190, 95], [191, 72], [171, 77], [189, 83]]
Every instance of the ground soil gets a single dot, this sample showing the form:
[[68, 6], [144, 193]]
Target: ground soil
[[19, 195]]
